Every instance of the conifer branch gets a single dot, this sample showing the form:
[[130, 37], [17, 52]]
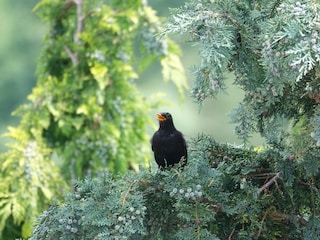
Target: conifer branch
[[269, 183], [80, 19]]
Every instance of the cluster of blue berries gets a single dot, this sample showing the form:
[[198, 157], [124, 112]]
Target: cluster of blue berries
[[152, 43], [70, 224], [188, 194], [126, 220]]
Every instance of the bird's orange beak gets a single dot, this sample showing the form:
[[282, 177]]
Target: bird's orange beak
[[160, 117]]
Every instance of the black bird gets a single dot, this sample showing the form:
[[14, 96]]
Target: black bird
[[167, 143]]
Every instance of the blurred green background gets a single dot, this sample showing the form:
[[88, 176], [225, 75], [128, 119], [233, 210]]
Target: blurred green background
[[21, 34]]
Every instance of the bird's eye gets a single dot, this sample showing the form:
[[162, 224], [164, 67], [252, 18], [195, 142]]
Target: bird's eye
[[168, 115]]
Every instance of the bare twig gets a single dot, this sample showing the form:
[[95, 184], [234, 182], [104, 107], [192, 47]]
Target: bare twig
[[72, 56], [262, 222], [260, 175], [231, 234], [269, 183], [130, 187], [197, 220], [276, 216], [278, 188], [80, 19]]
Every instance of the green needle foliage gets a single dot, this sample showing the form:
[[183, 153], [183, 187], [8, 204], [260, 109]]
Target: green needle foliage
[[226, 191], [85, 114], [272, 48], [28, 180], [86, 105]]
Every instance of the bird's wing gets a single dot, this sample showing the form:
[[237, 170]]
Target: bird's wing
[[153, 140]]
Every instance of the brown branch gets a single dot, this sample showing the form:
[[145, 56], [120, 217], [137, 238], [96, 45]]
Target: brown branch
[[261, 175], [80, 19], [262, 222], [231, 234], [269, 183], [130, 187], [278, 188], [284, 217], [72, 56]]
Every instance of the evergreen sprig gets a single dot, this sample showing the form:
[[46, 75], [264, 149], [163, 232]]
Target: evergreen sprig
[[85, 114], [224, 192], [29, 181], [271, 47]]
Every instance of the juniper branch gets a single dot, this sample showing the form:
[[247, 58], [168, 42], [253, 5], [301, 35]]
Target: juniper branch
[[269, 183]]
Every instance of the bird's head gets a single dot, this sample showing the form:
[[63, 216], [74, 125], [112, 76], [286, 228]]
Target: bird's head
[[162, 117], [165, 120]]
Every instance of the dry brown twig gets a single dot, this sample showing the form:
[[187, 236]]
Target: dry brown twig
[[269, 183]]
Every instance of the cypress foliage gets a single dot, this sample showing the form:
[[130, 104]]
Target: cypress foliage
[[85, 114], [226, 191]]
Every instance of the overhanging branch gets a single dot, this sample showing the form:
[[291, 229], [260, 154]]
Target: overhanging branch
[[269, 183]]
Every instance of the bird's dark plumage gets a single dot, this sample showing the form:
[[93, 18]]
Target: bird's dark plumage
[[167, 143]]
